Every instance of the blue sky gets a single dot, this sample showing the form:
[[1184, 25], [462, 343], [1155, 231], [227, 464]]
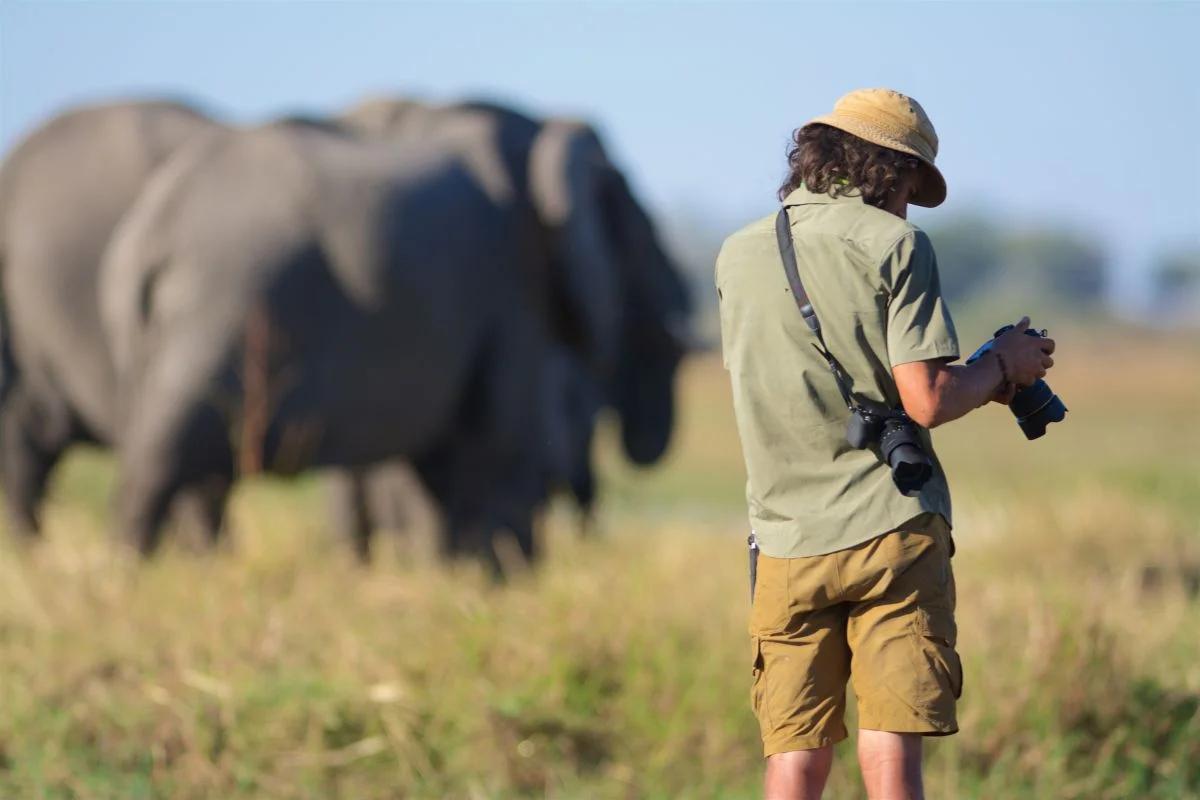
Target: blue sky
[[1082, 112]]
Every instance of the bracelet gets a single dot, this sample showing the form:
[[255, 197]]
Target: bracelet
[[1003, 370]]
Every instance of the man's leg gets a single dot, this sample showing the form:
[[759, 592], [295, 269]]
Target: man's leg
[[905, 669], [798, 774], [891, 765], [801, 667]]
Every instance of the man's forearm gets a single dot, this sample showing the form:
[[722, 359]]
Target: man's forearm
[[953, 391]]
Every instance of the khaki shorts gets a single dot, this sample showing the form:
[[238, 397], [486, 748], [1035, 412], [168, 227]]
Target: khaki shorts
[[880, 614]]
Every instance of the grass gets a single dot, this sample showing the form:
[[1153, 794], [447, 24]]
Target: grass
[[621, 669]]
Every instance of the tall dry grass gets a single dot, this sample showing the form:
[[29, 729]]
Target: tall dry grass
[[621, 669]]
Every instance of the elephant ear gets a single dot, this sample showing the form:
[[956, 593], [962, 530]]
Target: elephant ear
[[658, 285], [643, 394], [568, 168]]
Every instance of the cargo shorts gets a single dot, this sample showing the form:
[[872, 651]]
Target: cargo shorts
[[880, 615]]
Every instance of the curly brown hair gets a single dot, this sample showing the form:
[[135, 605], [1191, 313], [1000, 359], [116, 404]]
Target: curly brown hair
[[829, 160]]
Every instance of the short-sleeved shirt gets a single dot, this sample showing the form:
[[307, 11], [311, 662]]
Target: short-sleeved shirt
[[872, 279]]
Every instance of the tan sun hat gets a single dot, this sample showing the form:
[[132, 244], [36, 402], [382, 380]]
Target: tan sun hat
[[890, 119]]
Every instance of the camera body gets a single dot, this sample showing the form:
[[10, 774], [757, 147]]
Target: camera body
[[1034, 406], [899, 445]]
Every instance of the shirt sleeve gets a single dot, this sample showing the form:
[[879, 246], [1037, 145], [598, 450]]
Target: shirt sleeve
[[720, 306], [919, 327]]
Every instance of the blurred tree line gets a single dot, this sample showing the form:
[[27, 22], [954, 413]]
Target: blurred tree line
[[989, 272], [1177, 284]]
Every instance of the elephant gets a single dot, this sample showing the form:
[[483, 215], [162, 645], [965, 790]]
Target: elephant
[[63, 189], [56, 381], [622, 330], [287, 296], [384, 496]]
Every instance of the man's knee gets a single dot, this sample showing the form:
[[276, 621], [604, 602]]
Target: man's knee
[[889, 746], [891, 764], [798, 774]]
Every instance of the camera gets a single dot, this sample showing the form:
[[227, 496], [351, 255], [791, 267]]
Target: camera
[[899, 445], [1034, 406]]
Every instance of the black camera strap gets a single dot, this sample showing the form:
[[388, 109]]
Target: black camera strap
[[783, 232]]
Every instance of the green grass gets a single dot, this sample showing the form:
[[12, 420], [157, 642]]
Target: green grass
[[621, 669]]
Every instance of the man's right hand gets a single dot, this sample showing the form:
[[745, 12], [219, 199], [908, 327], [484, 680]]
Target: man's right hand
[[1026, 357]]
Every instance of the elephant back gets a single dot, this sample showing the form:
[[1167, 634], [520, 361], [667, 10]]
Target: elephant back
[[88, 163], [65, 187], [379, 116]]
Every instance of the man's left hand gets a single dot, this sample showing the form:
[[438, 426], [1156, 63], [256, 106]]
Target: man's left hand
[[1004, 393]]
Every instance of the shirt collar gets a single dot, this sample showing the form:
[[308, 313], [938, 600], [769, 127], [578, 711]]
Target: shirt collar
[[802, 196]]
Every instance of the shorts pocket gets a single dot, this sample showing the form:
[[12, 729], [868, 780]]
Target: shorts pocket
[[770, 613], [758, 689], [937, 654]]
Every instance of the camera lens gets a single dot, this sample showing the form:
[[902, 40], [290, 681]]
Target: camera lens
[[901, 449], [910, 470], [1035, 407]]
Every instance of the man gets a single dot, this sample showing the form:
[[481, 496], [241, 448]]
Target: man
[[854, 580]]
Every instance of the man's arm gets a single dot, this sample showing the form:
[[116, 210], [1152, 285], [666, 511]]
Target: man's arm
[[922, 343], [936, 392]]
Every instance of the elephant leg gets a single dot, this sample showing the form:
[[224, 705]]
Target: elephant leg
[[398, 505], [481, 497], [346, 500], [450, 474], [28, 453], [520, 496], [171, 447], [520, 523], [500, 489], [199, 511], [488, 475], [583, 490], [508, 497], [26, 473], [509, 458], [586, 517], [391, 497], [144, 498]]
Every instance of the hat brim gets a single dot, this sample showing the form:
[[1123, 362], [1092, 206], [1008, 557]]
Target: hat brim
[[931, 192]]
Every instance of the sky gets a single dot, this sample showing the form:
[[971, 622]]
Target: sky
[[1085, 114]]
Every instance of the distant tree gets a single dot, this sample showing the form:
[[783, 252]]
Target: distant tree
[[1068, 269], [1175, 282], [1177, 273], [969, 252]]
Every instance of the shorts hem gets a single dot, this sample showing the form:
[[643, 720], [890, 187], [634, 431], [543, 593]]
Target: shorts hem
[[924, 727], [794, 743]]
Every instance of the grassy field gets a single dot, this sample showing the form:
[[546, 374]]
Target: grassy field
[[621, 670]]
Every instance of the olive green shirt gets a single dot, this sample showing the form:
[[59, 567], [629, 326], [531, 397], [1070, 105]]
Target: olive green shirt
[[872, 279]]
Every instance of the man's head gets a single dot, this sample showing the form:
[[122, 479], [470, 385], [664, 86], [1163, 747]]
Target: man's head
[[878, 142]]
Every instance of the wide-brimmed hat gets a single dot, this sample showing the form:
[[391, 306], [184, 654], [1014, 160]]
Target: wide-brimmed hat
[[890, 119]]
